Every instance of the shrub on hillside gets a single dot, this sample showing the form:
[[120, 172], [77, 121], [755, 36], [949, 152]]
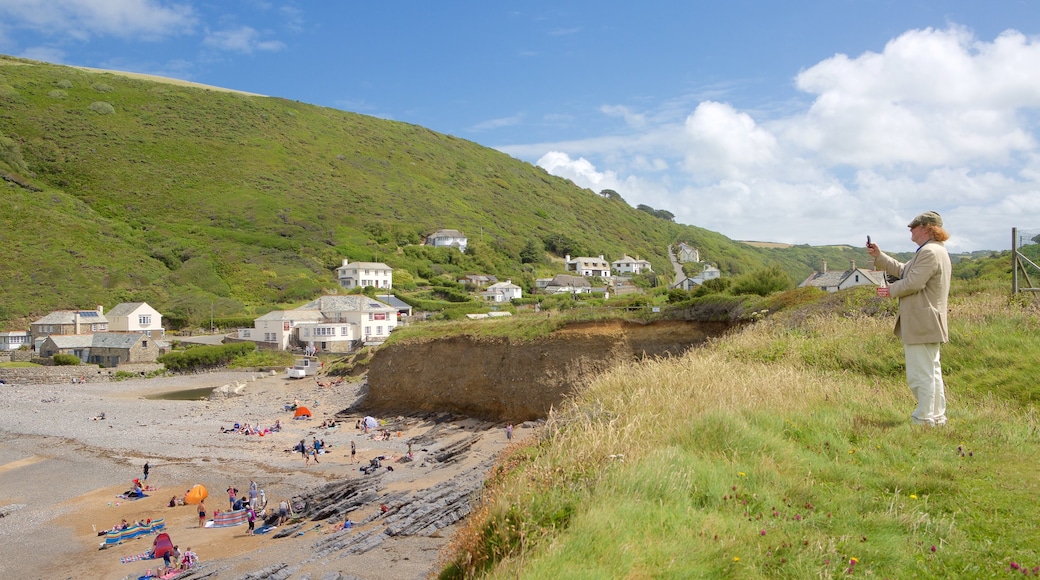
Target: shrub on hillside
[[63, 360], [102, 108], [763, 281]]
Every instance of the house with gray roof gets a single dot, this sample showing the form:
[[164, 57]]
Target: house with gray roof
[[64, 322], [835, 280], [445, 238], [136, 317], [106, 349]]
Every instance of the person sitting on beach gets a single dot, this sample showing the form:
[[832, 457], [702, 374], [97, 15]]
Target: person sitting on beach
[[188, 559], [173, 502], [277, 425]]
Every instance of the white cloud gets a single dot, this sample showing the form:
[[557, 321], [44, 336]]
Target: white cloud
[[243, 39], [44, 53], [938, 120], [83, 19], [498, 123]]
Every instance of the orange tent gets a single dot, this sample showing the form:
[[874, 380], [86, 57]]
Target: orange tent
[[196, 495], [302, 411]]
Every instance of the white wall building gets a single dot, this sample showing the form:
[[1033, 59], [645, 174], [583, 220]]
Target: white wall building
[[586, 266], [136, 317], [330, 324], [628, 266], [447, 239], [363, 274], [502, 292]]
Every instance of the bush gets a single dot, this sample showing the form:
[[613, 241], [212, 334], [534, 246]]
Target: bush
[[102, 108], [763, 282], [206, 357], [57, 94], [63, 360]]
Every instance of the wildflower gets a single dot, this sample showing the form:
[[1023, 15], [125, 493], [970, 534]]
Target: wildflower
[[741, 474], [913, 496], [736, 558], [853, 561], [763, 532], [933, 548]]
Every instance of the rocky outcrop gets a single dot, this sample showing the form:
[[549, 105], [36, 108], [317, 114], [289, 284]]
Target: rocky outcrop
[[512, 380]]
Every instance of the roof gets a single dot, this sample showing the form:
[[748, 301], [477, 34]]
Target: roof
[[350, 303], [298, 314], [116, 339], [836, 278], [507, 285], [126, 308], [446, 234], [568, 280], [67, 317], [72, 340], [369, 265]]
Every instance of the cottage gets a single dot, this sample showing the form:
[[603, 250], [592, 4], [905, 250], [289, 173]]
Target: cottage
[[502, 292], [708, 273], [447, 239], [106, 349], [363, 274], [627, 266], [567, 284], [585, 266], [136, 317], [478, 280], [15, 339], [840, 280], [65, 322], [687, 253]]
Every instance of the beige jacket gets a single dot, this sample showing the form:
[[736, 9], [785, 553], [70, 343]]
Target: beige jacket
[[922, 289]]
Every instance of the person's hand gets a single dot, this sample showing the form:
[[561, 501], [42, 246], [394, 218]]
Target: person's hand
[[873, 250]]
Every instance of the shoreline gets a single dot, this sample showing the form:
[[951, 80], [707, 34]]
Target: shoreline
[[60, 470]]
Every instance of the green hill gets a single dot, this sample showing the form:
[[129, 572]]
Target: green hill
[[208, 202]]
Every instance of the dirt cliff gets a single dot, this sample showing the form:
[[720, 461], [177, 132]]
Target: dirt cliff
[[510, 380]]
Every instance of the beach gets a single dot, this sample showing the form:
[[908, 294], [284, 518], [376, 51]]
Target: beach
[[62, 468]]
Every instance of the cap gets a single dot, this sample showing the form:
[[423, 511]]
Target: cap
[[927, 218]]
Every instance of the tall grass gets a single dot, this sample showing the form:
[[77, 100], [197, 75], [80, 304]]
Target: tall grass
[[784, 451]]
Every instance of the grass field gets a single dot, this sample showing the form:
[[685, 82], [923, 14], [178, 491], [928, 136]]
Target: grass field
[[785, 451]]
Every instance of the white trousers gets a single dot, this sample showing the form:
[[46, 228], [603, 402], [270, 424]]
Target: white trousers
[[924, 375]]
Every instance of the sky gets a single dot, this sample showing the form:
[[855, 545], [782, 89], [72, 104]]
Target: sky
[[804, 122]]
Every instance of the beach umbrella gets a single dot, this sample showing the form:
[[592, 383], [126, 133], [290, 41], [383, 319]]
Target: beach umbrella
[[196, 495], [302, 411], [371, 423]]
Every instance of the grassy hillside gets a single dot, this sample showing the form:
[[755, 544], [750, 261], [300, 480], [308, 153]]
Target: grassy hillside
[[785, 451], [202, 201]]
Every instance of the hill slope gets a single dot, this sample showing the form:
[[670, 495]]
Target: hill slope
[[210, 202]]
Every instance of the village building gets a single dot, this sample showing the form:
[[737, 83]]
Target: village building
[[687, 253], [708, 273], [106, 349], [136, 317], [15, 339], [502, 292], [447, 239], [364, 274], [64, 322], [835, 280], [628, 266], [586, 266], [328, 324]]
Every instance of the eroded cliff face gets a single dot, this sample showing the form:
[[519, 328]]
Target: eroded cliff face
[[501, 379]]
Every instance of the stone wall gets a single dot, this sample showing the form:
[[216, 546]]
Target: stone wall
[[53, 375]]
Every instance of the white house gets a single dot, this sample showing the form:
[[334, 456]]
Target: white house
[[15, 339], [585, 266], [502, 292], [832, 281], [628, 266], [362, 274], [688, 253], [447, 239], [708, 273], [136, 317], [329, 324]]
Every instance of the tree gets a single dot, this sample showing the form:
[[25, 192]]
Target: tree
[[532, 252]]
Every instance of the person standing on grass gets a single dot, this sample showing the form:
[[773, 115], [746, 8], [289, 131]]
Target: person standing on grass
[[923, 287]]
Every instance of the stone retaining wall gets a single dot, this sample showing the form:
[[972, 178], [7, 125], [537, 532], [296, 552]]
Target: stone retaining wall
[[51, 375]]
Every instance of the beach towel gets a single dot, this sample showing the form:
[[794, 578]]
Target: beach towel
[[137, 557], [227, 519], [130, 496], [264, 529], [120, 536]]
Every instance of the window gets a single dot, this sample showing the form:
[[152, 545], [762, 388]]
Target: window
[[245, 333], [144, 319], [379, 331], [144, 344], [368, 330]]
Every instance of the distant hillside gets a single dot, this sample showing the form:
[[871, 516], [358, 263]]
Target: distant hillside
[[205, 202]]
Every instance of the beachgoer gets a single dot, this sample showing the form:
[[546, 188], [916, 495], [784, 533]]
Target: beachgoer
[[251, 518], [202, 515], [253, 494], [303, 451], [232, 492], [923, 289], [283, 512], [146, 468], [353, 452], [509, 432], [188, 559], [173, 502], [177, 555]]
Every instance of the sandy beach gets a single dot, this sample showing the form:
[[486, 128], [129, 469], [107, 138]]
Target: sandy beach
[[61, 470]]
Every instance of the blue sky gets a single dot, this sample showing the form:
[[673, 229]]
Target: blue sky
[[802, 122]]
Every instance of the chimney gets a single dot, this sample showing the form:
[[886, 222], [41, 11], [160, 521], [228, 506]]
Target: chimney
[[567, 258], [100, 309], [75, 322], [825, 266], [601, 257], [852, 264]]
